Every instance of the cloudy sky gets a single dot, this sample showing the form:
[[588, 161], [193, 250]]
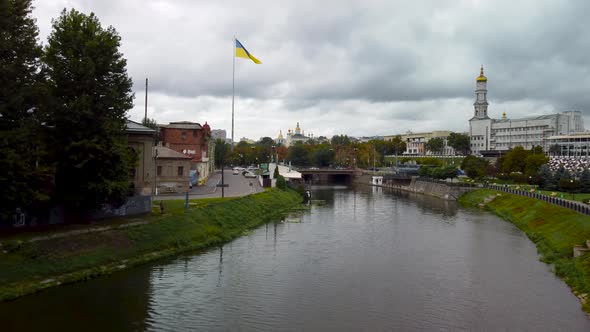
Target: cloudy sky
[[362, 68]]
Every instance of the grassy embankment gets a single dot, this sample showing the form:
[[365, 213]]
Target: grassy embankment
[[555, 231], [28, 267]]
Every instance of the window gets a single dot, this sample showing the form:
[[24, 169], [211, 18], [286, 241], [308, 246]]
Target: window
[[195, 133], [180, 170], [183, 136], [159, 172]]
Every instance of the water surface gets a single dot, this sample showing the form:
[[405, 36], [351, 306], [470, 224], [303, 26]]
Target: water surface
[[368, 260]]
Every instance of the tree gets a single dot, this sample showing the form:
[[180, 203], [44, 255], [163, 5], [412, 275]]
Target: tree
[[533, 163], [323, 156], [554, 150], [221, 152], [514, 160], [340, 140], [545, 178], [22, 90], [92, 94], [150, 123], [298, 155], [459, 142], [266, 141], [435, 145], [585, 181], [398, 145], [474, 167]]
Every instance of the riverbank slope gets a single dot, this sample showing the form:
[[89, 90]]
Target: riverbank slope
[[554, 230], [27, 267]]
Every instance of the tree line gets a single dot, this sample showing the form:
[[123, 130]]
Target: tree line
[[339, 151], [63, 109]]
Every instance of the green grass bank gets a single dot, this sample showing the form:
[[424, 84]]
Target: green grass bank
[[555, 231], [27, 267]]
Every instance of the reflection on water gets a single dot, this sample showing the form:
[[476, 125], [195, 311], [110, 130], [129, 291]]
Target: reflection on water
[[369, 259]]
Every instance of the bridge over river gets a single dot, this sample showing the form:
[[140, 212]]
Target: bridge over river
[[329, 174]]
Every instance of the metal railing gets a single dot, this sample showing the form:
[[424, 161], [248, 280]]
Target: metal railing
[[565, 203]]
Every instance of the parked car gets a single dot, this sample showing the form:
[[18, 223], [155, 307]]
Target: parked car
[[236, 171], [249, 175]]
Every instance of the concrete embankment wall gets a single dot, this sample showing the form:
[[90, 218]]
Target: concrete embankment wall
[[432, 188]]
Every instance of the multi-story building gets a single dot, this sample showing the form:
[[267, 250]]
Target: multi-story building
[[416, 142], [574, 145], [192, 140], [491, 136]]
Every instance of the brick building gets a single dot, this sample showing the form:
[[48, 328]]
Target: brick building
[[192, 140]]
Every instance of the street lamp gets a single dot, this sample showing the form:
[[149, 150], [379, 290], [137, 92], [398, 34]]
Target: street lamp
[[572, 189]]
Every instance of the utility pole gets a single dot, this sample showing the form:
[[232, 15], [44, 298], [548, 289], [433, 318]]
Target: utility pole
[[146, 92]]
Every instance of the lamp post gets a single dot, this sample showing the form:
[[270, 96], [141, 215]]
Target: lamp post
[[156, 172], [572, 189]]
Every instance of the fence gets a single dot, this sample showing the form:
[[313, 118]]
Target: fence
[[572, 205]]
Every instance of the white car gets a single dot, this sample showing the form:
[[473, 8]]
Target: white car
[[236, 171], [249, 175]]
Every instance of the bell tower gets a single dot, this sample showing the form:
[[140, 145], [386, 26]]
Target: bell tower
[[481, 101]]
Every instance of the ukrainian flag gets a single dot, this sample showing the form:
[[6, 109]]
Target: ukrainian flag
[[241, 52]]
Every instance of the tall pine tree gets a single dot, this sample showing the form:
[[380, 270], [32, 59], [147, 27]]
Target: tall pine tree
[[91, 93], [21, 92]]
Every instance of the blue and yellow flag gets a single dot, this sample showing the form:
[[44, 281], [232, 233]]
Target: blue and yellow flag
[[241, 52]]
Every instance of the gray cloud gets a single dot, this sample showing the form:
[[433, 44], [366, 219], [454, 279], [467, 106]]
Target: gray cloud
[[356, 67]]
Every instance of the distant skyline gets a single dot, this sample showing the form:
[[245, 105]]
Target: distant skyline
[[360, 68]]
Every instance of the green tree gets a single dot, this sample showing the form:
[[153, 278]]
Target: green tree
[[150, 123], [514, 160], [545, 178], [459, 142], [474, 167], [266, 141], [323, 156], [221, 152], [398, 146], [435, 145], [533, 163], [23, 174], [340, 140], [298, 155], [92, 94], [445, 172], [585, 181]]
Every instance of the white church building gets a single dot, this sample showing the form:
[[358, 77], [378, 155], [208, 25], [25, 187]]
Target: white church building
[[491, 136]]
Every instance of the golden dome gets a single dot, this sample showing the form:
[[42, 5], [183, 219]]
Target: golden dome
[[280, 134], [481, 77]]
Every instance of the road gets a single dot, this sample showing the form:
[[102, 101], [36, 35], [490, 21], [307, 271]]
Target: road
[[238, 185]]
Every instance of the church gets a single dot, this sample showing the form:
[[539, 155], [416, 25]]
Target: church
[[491, 137], [292, 137]]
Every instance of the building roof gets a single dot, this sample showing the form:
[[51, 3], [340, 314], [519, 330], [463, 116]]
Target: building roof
[[163, 152], [182, 125], [528, 118], [284, 171], [136, 127], [584, 134]]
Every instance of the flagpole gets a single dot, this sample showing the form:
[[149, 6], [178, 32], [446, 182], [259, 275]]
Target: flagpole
[[233, 87]]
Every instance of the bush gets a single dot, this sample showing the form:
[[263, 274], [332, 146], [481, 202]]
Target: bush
[[281, 183]]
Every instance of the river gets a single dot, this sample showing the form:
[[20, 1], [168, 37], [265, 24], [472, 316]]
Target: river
[[367, 260]]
